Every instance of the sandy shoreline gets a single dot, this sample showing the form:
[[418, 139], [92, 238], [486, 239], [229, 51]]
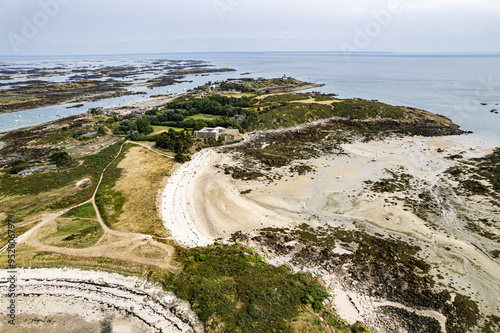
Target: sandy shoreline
[[174, 204], [334, 195], [82, 300]]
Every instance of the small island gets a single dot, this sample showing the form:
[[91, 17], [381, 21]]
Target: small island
[[258, 208], [33, 88]]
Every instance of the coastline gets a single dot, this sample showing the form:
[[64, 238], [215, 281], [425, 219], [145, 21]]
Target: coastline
[[147, 102], [219, 208], [86, 300]]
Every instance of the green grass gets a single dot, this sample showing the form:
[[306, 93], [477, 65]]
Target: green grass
[[56, 137], [89, 166], [276, 111], [201, 116], [84, 211], [286, 97], [290, 115], [57, 260], [158, 129], [4, 235], [238, 95], [75, 233], [108, 201], [231, 288], [362, 109]]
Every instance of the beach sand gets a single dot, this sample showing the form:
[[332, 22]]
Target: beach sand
[[335, 195], [72, 300]]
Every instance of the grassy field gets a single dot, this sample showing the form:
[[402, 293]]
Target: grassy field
[[72, 232], [238, 95], [28, 257], [108, 201], [286, 97], [84, 211], [233, 290], [25, 198], [361, 109], [290, 115], [23, 208], [201, 116], [160, 129], [129, 198], [4, 236], [88, 166]]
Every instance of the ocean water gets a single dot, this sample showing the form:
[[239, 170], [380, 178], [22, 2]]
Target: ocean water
[[455, 86]]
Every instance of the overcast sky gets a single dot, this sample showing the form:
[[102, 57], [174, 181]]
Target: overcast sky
[[40, 27]]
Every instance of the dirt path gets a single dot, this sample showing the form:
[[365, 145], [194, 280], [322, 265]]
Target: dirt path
[[149, 148], [113, 244]]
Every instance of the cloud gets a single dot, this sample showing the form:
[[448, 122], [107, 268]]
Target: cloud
[[293, 25]]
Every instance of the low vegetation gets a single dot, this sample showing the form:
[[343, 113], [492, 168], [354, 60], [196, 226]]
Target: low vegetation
[[230, 287], [84, 211], [383, 268], [233, 290], [142, 173], [74, 233], [108, 201], [28, 257]]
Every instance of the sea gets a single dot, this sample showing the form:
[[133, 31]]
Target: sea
[[462, 87]]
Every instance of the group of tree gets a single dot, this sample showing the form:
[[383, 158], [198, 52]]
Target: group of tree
[[230, 112], [236, 86], [61, 159], [178, 142], [17, 166], [134, 128]]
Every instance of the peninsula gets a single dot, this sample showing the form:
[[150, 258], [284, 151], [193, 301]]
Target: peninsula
[[306, 212]]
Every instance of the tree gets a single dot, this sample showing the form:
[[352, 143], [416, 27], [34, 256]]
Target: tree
[[61, 158], [134, 135], [79, 133], [181, 158], [143, 126], [125, 126]]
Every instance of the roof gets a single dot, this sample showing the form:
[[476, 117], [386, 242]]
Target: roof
[[43, 168]]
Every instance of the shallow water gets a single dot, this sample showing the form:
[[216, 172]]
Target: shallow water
[[451, 85]]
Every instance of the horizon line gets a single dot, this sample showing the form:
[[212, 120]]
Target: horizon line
[[496, 53]]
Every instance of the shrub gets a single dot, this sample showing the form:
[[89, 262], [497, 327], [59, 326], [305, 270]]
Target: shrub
[[61, 158]]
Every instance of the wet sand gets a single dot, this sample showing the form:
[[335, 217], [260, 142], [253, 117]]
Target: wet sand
[[334, 195]]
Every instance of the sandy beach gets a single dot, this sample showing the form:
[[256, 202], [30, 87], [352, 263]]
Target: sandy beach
[[201, 204], [175, 201], [91, 301]]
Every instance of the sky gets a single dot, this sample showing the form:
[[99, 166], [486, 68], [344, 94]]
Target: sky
[[61, 27]]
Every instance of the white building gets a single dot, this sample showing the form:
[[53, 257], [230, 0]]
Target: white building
[[209, 132]]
